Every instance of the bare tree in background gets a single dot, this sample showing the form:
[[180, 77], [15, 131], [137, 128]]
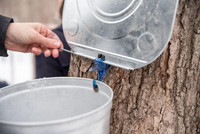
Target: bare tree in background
[[43, 11], [163, 97]]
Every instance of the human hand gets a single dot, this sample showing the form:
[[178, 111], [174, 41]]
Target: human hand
[[32, 37]]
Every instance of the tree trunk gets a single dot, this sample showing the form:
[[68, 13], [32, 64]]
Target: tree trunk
[[163, 97]]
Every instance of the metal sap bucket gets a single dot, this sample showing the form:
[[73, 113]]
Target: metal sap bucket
[[55, 106]]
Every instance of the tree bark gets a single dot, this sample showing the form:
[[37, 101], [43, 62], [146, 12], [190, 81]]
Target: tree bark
[[163, 97]]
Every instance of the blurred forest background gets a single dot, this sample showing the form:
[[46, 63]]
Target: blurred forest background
[[45, 11], [19, 67]]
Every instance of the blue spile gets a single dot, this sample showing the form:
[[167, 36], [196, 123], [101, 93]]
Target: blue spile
[[101, 67]]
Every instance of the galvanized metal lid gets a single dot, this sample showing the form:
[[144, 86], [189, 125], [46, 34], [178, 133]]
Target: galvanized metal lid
[[129, 33]]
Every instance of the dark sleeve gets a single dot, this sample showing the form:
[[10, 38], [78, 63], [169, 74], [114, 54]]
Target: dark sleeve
[[47, 67], [54, 67], [4, 22]]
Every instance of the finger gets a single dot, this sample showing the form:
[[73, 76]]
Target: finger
[[54, 36], [36, 50], [43, 30], [55, 53], [48, 34], [60, 50], [49, 43], [47, 53], [44, 48]]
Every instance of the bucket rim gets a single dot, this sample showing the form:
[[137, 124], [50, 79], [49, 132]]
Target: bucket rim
[[59, 121]]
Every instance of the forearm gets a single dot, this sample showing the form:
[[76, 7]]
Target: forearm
[[4, 22]]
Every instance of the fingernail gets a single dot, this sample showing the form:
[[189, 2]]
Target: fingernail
[[57, 44]]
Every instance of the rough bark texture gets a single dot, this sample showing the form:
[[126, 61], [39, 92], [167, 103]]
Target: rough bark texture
[[163, 97]]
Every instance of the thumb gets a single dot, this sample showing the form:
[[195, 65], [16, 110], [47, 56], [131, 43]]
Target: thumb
[[49, 43]]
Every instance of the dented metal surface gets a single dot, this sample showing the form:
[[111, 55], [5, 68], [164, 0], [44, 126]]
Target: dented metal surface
[[131, 33]]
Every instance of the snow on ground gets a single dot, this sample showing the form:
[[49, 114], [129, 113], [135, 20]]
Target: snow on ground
[[17, 67]]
